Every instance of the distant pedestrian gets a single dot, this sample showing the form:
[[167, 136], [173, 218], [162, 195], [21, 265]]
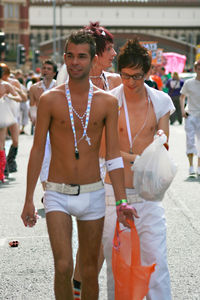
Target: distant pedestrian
[[49, 69], [6, 117], [15, 108], [191, 90], [174, 86]]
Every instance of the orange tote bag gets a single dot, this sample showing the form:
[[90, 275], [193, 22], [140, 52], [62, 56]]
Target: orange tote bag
[[131, 278]]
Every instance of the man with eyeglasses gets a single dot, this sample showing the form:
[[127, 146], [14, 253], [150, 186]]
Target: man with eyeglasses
[[143, 111]]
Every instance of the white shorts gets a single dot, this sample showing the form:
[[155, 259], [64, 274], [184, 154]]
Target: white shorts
[[85, 206], [192, 129]]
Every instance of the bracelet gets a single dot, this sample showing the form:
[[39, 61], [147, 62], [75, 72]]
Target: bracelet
[[119, 202]]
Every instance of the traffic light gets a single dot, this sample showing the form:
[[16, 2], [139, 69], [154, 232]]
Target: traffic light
[[21, 54], [36, 56], [2, 43]]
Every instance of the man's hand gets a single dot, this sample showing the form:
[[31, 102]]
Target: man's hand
[[29, 216], [160, 132], [125, 211]]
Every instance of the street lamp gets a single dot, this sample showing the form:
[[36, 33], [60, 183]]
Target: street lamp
[[54, 29]]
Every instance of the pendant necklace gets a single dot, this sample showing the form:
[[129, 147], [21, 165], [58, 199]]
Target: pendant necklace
[[132, 140], [86, 115]]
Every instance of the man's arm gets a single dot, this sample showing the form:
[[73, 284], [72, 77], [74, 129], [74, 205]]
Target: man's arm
[[33, 100], [36, 158], [10, 90], [33, 104], [20, 91], [113, 152], [182, 105]]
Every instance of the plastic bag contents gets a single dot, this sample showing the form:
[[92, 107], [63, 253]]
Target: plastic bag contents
[[154, 170], [131, 278]]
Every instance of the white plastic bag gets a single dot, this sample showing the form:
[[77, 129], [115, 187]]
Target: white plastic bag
[[154, 170]]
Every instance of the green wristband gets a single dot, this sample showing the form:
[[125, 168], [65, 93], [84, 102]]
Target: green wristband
[[119, 202]]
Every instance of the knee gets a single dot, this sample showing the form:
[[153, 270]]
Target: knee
[[89, 273], [64, 268]]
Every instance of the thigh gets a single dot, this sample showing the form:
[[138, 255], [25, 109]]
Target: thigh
[[59, 226], [2, 137], [90, 236], [14, 130]]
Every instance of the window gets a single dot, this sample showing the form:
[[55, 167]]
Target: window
[[11, 11]]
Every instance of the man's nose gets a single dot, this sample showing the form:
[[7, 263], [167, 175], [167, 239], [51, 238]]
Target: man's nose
[[75, 60], [114, 53]]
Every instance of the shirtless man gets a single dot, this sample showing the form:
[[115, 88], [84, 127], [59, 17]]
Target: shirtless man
[[106, 81], [75, 114], [14, 129], [49, 69], [143, 111], [5, 89]]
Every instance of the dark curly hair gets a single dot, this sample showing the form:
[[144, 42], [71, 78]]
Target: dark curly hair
[[101, 35], [134, 55]]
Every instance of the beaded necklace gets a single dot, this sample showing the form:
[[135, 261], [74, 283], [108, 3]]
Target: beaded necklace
[[104, 79], [86, 115]]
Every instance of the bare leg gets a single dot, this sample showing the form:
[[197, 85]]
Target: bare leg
[[60, 233], [190, 158], [2, 138], [77, 275], [14, 131], [90, 235], [198, 161]]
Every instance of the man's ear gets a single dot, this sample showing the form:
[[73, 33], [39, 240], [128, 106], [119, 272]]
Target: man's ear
[[64, 56]]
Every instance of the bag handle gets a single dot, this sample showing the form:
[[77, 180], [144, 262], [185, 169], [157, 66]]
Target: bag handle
[[135, 249]]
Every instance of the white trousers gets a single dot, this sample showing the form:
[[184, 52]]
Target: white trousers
[[192, 129], [151, 227]]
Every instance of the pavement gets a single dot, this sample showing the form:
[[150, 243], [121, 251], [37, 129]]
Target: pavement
[[26, 272]]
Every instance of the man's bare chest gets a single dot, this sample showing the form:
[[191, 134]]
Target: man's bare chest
[[140, 125]]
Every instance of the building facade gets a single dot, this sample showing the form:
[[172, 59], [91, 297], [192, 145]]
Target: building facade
[[174, 24], [14, 21]]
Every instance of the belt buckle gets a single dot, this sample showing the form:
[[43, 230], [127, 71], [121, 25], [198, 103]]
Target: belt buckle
[[78, 187]]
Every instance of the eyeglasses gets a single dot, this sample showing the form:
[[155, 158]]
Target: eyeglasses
[[138, 76]]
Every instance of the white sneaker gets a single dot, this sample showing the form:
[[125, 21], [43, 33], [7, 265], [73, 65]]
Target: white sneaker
[[191, 171], [198, 171]]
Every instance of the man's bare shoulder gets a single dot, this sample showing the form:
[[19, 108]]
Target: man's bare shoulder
[[54, 94], [114, 79], [105, 97], [35, 86]]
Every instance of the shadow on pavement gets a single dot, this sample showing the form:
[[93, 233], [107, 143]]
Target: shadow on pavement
[[192, 179], [41, 212]]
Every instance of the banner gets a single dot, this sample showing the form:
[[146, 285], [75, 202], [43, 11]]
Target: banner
[[152, 47], [174, 62], [197, 52]]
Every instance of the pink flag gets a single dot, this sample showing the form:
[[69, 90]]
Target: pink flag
[[174, 62]]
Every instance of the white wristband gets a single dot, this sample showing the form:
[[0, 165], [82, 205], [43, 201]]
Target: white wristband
[[115, 163]]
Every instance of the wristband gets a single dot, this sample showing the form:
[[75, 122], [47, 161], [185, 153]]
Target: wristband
[[119, 202]]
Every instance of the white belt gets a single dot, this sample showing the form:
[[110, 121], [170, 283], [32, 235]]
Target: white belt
[[73, 189], [110, 200]]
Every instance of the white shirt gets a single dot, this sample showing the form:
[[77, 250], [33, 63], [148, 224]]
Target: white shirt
[[161, 101], [191, 89]]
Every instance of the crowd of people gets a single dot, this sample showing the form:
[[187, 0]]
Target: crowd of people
[[98, 121]]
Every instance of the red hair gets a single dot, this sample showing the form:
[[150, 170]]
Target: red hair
[[101, 35]]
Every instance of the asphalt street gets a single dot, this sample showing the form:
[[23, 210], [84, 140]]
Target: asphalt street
[[26, 272]]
